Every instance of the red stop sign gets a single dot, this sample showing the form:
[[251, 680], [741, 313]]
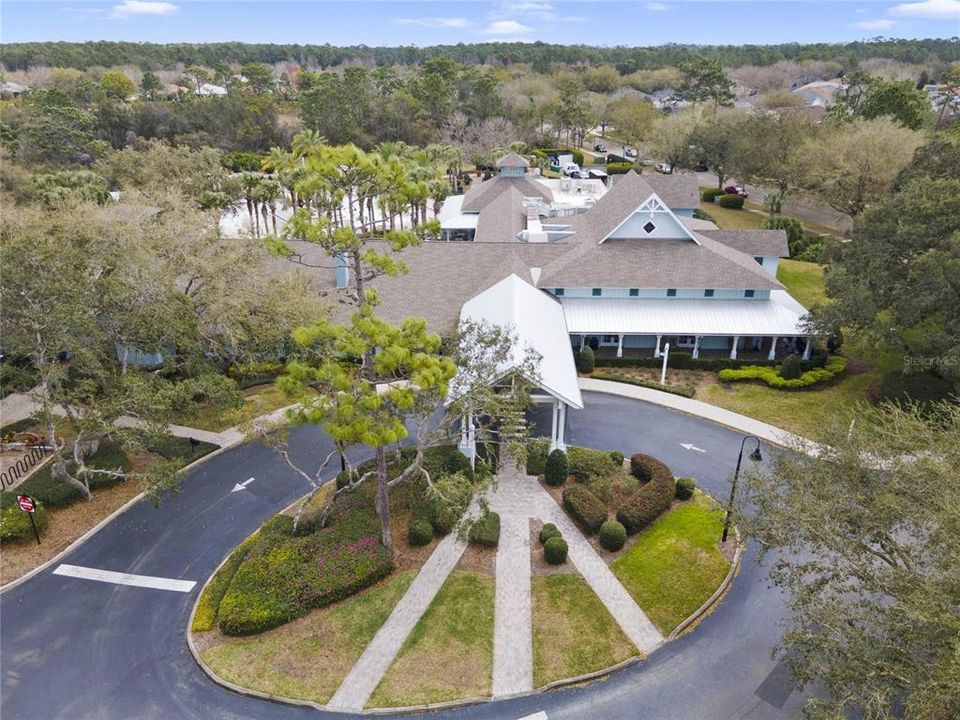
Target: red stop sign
[[26, 503]]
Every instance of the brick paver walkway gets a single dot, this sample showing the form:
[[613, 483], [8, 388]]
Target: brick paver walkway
[[513, 631]]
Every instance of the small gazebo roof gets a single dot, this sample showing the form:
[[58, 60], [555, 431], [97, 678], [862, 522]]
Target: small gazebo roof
[[512, 160]]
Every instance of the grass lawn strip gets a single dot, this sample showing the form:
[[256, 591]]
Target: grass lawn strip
[[573, 633], [258, 400], [449, 654], [308, 658], [675, 565], [804, 281]]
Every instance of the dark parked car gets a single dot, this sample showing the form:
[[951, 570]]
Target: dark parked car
[[600, 148], [737, 190]]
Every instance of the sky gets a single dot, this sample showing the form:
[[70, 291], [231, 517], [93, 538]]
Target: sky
[[400, 22]]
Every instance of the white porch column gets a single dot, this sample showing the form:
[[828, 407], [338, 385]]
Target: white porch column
[[656, 351], [733, 350], [696, 347], [619, 345], [808, 349], [583, 339], [561, 426], [468, 437], [772, 355], [555, 411]]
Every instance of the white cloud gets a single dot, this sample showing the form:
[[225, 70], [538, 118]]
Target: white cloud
[[506, 27], [434, 22], [878, 24], [657, 6], [516, 8], [142, 7], [928, 10]]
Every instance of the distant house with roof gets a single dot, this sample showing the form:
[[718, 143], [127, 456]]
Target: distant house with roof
[[12, 89], [211, 90]]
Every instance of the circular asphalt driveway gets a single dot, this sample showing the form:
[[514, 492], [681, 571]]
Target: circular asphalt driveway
[[77, 649]]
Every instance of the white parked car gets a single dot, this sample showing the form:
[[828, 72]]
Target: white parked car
[[571, 170], [664, 168], [630, 152]]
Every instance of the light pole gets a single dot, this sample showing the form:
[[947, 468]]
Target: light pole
[[756, 457]]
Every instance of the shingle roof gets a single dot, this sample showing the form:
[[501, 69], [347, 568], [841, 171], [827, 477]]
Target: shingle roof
[[512, 160], [503, 218], [482, 194], [752, 242], [677, 191]]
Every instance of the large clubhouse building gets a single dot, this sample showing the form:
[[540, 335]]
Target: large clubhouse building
[[625, 269]]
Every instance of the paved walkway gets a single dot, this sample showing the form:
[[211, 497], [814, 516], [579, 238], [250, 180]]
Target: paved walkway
[[365, 675], [18, 406], [741, 423], [513, 616]]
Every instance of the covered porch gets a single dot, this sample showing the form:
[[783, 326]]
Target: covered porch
[[744, 329]]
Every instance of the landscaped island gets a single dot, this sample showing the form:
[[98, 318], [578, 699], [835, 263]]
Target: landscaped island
[[291, 613]]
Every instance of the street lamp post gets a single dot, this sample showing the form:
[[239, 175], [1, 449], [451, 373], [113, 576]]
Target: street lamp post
[[756, 457]]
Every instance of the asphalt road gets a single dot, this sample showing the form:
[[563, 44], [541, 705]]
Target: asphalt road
[[74, 648]]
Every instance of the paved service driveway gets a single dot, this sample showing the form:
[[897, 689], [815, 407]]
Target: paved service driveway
[[76, 648]]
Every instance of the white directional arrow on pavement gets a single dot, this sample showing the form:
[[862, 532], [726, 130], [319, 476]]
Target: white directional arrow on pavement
[[242, 486], [688, 446]]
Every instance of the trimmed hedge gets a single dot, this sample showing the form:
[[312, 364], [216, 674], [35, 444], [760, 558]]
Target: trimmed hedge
[[836, 365], [731, 201], [282, 577], [537, 450], [15, 525], [710, 194], [555, 470], [586, 360], [555, 551], [420, 532], [548, 531], [544, 152], [685, 488], [613, 535], [486, 530], [208, 605], [639, 382], [619, 168], [652, 498], [586, 464], [585, 508], [684, 361]]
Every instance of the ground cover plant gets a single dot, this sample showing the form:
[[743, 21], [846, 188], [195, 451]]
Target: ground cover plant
[[776, 377]]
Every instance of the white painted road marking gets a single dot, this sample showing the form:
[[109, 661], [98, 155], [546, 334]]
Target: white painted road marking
[[536, 716], [243, 485], [118, 578], [688, 446]]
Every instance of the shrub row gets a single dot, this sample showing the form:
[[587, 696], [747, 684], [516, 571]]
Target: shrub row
[[639, 382], [619, 168], [709, 194], [652, 498], [585, 508], [731, 201], [685, 361], [545, 152], [586, 464], [208, 605], [771, 376]]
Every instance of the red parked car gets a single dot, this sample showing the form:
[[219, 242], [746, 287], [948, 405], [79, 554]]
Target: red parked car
[[737, 190]]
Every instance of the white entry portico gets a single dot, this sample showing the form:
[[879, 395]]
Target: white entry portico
[[536, 321]]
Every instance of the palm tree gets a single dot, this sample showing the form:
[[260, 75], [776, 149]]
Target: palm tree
[[248, 183], [307, 142]]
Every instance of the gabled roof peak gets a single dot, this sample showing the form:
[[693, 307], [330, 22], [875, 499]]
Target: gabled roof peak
[[512, 159]]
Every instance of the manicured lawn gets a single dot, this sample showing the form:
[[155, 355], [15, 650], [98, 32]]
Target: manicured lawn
[[449, 654], [728, 219], [309, 658], [804, 412], [258, 400], [573, 633], [804, 281], [674, 565]]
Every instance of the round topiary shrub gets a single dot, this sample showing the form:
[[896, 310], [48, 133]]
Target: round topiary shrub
[[555, 551], [419, 533], [710, 194], [730, 201], [790, 368], [586, 361], [555, 470], [548, 531], [613, 535], [685, 488]]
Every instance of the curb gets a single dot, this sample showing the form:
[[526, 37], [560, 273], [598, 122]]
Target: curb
[[109, 518], [717, 594]]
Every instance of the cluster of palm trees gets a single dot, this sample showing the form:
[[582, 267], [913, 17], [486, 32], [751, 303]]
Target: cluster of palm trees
[[370, 192]]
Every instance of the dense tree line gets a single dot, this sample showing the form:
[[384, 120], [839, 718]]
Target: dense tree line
[[540, 55]]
